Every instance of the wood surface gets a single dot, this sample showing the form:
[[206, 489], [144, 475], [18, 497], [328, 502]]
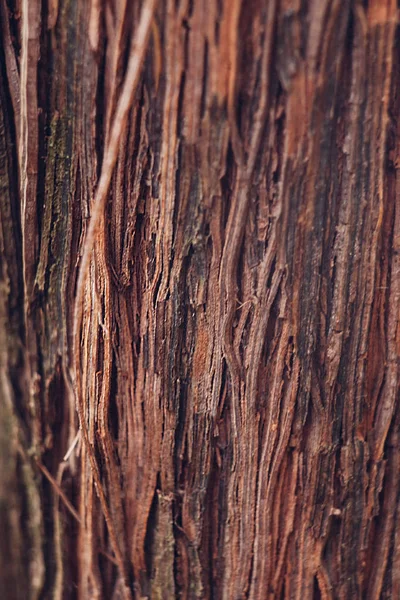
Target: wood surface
[[199, 299]]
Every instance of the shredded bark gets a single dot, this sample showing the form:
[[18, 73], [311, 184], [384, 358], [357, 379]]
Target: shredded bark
[[199, 299]]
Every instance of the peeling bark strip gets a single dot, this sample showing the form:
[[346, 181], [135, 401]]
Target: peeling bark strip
[[199, 299], [136, 57]]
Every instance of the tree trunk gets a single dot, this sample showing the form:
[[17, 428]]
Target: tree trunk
[[199, 299]]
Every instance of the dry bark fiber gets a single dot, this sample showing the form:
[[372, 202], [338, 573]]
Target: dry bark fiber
[[199, 299]]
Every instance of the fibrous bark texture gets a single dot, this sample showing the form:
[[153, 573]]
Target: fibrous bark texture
[[199, 299]]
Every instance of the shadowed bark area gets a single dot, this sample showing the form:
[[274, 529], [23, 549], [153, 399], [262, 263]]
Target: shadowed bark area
[[199, 299]]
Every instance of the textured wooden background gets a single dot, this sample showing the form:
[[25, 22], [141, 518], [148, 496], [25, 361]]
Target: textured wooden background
[[232, 343]]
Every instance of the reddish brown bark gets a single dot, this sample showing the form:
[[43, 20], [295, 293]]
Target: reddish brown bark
[[199, 299]]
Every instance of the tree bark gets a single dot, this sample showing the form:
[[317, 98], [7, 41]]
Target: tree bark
[[199, 299]]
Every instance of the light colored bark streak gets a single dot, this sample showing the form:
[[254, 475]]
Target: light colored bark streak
[[28, 145], [28, 169], [136, 58]]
